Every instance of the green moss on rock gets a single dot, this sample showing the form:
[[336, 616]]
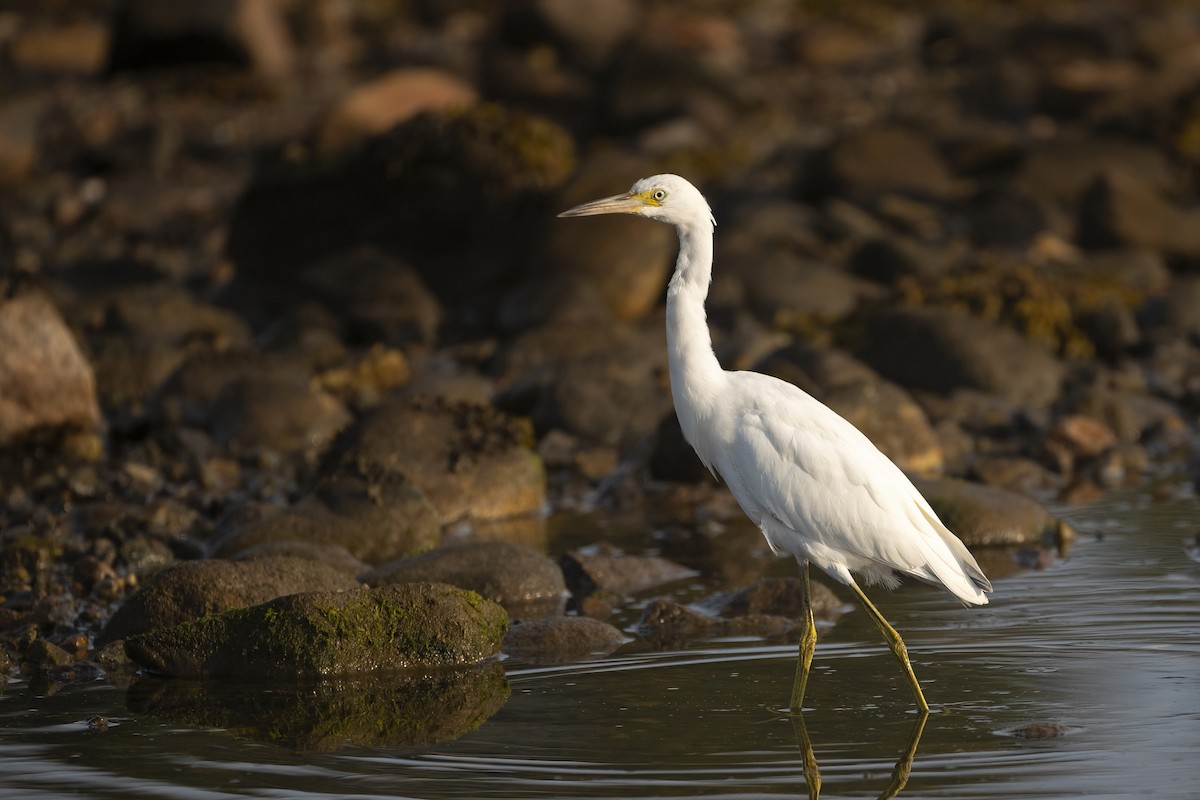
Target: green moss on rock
[[395, 627]]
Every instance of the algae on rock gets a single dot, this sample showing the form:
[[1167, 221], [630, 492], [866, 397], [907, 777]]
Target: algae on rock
[[397, 627]]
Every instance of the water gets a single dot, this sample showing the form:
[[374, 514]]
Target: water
[[1104, 648]]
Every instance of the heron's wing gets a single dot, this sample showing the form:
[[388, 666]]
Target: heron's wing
[[800, 464]]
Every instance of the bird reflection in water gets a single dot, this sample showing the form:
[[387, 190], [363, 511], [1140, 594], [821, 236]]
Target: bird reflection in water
[[900, 773]]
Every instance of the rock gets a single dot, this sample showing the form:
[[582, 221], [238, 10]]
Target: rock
[[316, 634], [1176, 311], [375, 517], [589, 31], [275, 414], [19, 150], [45, 381], [666, 623], [816, 368], [608, 571], [626, 262], [129, 369], [151, 34], [44, 655], [331, 555], [987, 516], [893, 421], [1112, 329], [939, 350], [188, 395], [606, 401], [558, 640], [379, 296], [166, 313], [673, 459], [469, 461], [1128, 415], [887, 260], [1039, 730], [1082, 436], [782, 288], [1013, 221], [777, 597], [524, 581], [1122, 208], [884, 158], [1013, 473], [417, 709], [78, 47], [194, 589], [1061, 169], [373, 107], [366, 379], [456, 195]]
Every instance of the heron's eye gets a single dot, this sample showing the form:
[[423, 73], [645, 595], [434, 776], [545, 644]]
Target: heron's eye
[[659, 195]]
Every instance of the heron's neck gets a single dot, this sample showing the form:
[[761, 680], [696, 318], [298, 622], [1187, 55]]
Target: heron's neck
[[695, 371]]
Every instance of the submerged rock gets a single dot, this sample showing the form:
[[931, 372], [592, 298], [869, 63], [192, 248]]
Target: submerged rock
[[418, 709], [195, 589], [776, 597], [667, 623], [561, 639], [397, 627], [524, 581], [768, 607]]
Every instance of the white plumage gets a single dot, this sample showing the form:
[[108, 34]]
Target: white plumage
[[812, 482]]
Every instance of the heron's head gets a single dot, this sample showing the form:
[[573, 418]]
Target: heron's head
[[666, 198]]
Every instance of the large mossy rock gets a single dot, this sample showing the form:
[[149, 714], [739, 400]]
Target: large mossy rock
[[405, 626], [195, 589]]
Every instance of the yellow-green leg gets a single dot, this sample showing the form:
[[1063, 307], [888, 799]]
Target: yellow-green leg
[[808, 643], [896, 644]]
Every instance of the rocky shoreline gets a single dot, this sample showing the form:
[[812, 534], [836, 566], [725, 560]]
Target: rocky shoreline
[[284, 307]]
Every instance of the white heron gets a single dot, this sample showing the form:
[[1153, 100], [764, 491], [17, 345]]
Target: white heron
[[812, 482]]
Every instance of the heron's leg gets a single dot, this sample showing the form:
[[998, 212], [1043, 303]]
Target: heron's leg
[[808, 643], [896, 644]]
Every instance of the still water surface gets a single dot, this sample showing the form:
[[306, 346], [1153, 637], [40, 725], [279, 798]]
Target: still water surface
[[1103, 646]]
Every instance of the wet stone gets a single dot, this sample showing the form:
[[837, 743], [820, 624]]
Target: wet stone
[[893, 421], [558, 640], [45, 655], [194, 589], [373, 522], [667, 623], [987, 515], [526, 582], [469, 461], [390, 628], [609, 571], [775, 597]]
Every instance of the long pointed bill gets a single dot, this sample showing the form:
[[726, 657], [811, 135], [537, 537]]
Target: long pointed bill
[[617, 204]]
